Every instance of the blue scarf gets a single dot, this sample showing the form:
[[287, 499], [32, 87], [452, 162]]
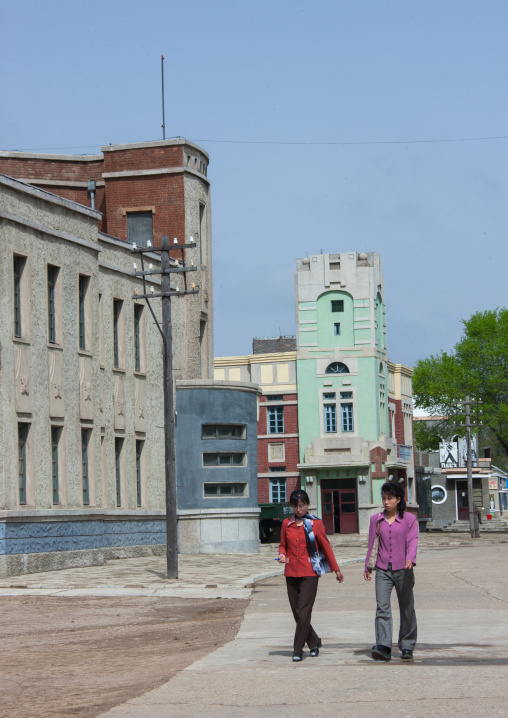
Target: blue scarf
[[318, 562]]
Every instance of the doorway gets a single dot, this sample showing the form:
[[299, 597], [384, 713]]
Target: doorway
[[462, 501], [339, 506]]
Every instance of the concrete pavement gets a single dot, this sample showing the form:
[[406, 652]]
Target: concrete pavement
[[460, 666], [461, 661]]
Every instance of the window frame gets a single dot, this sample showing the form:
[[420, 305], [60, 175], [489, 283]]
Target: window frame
[[218, 437], [23, 431], [279, 484], [275, 419], [85, 465], [347, 417], [330, 418], [223, 455], [224, 484]]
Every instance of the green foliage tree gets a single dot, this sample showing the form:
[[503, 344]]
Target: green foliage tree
[[477, 367]]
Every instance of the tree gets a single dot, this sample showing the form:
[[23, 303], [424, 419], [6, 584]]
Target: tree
[[478, 368]]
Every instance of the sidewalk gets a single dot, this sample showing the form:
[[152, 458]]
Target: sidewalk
[[199, 576], [460, 666]]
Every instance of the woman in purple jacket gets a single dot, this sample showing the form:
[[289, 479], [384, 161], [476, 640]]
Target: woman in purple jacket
[[398, 542]]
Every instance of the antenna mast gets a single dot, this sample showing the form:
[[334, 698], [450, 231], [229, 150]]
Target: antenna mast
[[163, 119]]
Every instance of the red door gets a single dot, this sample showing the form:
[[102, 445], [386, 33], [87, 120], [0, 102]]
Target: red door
[[347, 511], [339, 511], [462, 501], [327, 503]]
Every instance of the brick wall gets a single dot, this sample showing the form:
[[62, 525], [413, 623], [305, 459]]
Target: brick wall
[[291, 450], [399, 421]]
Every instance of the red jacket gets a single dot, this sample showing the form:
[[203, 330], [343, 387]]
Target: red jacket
[[294, 546]]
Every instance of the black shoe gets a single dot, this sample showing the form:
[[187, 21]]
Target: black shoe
[[315, 651], [297, 657], [407, 655], [381, 653]]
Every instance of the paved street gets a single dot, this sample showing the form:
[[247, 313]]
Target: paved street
[[460, 667], [461, 661]]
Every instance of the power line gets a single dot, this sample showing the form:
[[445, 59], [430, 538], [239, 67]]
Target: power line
[[284, 142]]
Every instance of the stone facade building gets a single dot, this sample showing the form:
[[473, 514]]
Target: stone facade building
[[82, 444]]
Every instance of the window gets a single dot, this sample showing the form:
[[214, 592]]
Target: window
[[330, 418], [336, 367], [19, 265], [55, 440], [276, 469], [202, 233], [278, 491], [118, 470], [140, 228], [346, 394], [22, 461], [275, 397], [235, 458], [85, 478], [337, 305], [101, 331], [336, 329], [223, 431], [329, 395], [275, 419], [346, 411], [83, 284], [138, 313], [52, 275], [139, 472], [118, 334], [225, 489]]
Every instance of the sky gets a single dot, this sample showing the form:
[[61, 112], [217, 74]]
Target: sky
[[334, 126]]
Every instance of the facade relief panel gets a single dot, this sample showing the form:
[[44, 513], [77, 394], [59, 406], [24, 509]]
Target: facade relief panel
[[119, 400], [140, 401], [22, 379], [85, 388], [56, 386]]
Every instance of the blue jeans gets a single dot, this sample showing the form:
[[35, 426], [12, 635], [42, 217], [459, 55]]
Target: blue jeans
[[403, 581]]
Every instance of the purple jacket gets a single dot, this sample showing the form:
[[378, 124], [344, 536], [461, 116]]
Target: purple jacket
[[398, 541]]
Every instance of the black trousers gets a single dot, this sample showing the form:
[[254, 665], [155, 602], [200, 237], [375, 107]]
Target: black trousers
[[302, 594]]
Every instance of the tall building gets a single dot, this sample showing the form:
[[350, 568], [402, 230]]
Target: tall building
[[142, 191], [352, 403], [82, 442]]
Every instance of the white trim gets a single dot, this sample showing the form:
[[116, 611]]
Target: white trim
[[438, 486]]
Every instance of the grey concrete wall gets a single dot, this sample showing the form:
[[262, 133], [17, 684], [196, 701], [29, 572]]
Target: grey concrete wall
[[201, 403]]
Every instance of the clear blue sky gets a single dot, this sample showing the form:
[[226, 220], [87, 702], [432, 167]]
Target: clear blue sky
[[373, 76]]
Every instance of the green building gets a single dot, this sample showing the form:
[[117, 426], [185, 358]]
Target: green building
[[354, 406]]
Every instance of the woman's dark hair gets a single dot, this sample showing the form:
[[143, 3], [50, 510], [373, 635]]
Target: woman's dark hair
[[299, 495], [397, 491]]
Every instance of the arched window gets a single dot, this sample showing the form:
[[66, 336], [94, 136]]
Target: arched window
[[337, 367]]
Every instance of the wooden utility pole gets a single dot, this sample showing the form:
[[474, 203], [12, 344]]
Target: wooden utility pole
[[169, 390], [169, 414]]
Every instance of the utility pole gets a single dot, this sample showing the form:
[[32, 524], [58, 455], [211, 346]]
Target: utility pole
[[472, 528], [169, 390]]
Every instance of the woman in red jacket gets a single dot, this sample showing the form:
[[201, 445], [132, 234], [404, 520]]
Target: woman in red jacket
[[301, 535]]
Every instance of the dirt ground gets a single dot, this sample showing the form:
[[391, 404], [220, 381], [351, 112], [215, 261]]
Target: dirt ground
[[66, 657]]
